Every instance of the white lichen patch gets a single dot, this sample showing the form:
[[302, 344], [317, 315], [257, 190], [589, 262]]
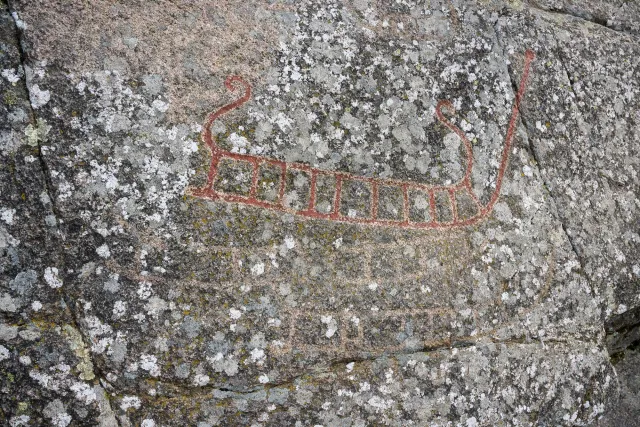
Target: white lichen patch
[[257, 356], [103, 251], [19, 22], [84, 392], [257, 269], [235, 314], [100, 334], [51, 277], [11, 75], [4, 353], [201, 380], [7, 215], [38, 96], [119, 309], [144, 290], [332, 325], [130, 402], [289, 242], [148, 362]]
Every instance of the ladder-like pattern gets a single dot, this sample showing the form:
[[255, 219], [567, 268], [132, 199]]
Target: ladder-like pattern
[[443, 201]]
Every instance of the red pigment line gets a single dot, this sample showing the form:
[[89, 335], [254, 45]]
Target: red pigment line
[[283, 179], [340, 218], [241, 157], [316, 215], [432, 206], [474, 197], [337, 198], [300, 166], [405, 202], [235, 82], [254, 179], [230, 84], [528, 58], [273, 162], [459, 132], [312, 193], [213, 169], [374, 200], [240, 199], [204, 192]]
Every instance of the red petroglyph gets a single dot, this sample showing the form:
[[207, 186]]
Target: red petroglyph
[[310, 211]]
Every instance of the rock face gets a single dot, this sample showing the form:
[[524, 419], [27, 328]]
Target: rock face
[[395, 212]]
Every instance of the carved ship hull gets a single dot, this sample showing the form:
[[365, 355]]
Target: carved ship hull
[[432, 193]]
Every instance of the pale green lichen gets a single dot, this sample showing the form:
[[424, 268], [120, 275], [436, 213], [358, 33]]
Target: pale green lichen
[[81, 351], [37, 134]]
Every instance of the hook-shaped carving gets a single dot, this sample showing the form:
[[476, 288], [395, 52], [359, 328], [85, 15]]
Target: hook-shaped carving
[[466, 181], [232, 83], [467, 145]]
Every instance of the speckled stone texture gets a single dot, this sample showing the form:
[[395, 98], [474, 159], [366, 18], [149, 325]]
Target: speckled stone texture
[[130, 297]]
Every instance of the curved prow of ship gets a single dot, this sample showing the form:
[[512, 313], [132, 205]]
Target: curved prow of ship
[[506, 147], [444, 206], [232, 83]]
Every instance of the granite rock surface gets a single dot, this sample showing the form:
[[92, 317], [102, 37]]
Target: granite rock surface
[[391, 212]]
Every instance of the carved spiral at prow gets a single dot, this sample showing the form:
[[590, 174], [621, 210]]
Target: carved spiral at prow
[[447, 106], [234, 83]]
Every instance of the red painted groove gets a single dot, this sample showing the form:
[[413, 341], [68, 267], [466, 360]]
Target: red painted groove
[[374, 200], [283, 183], [312, 194], [432, 205], [235, 82], [405, 203], [254, 179], [338, 198]]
